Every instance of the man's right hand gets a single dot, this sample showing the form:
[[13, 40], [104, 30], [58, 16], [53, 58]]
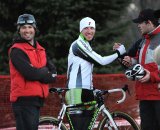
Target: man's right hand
[[127, 61], [116, 46]]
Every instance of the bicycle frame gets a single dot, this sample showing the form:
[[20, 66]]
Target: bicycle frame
[[63, 111], [100, 107], [97, 113], [61, 115]]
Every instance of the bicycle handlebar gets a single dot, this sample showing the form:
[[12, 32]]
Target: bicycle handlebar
[[98, 92], [58, 90], [123, 90]]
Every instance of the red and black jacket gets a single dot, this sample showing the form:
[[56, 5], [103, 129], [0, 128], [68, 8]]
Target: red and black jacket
[[29, 71], [145, 56]]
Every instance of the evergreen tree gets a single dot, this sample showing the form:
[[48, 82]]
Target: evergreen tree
[[58, 23]]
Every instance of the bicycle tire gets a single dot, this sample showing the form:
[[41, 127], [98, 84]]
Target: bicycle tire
[[50, 123], [123, 121]]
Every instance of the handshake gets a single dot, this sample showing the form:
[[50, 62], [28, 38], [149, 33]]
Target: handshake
[[119, 48]]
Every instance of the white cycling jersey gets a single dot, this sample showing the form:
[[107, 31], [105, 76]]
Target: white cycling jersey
[[81, 59]]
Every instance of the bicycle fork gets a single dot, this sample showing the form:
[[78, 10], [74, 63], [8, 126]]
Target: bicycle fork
[[61, 116], [112, 122]]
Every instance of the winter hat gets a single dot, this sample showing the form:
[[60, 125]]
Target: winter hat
[[26, 19], [86, 22]]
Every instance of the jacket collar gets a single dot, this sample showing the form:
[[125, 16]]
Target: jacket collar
[[152, 33], [82, 37]]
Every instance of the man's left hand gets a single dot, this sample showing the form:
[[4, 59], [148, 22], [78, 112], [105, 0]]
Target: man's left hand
[[146, 78]]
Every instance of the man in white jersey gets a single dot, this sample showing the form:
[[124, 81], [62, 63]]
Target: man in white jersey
[[81, 59]]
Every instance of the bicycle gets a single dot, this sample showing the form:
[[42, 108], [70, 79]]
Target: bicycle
[[110, 120]]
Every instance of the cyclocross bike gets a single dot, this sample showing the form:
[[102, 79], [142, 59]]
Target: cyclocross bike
[[111, 120]]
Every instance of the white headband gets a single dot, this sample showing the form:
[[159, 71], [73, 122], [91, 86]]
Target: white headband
[[86, 22]]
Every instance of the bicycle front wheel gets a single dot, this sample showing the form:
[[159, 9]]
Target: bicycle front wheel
[[50, 123], [122, 120]]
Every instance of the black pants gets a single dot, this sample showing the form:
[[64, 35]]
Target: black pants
[[150, 115], [27, 111]]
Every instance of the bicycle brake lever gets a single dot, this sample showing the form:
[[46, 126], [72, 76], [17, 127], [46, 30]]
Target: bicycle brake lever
[[125, 88]]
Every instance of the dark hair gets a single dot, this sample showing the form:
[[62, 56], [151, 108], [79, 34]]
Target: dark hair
[[155, 22]]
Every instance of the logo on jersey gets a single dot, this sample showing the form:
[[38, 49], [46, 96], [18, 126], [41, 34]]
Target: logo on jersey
[[85, 45]]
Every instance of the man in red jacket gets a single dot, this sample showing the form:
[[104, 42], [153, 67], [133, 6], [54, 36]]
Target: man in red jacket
[[30, 72], [147, 90]]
